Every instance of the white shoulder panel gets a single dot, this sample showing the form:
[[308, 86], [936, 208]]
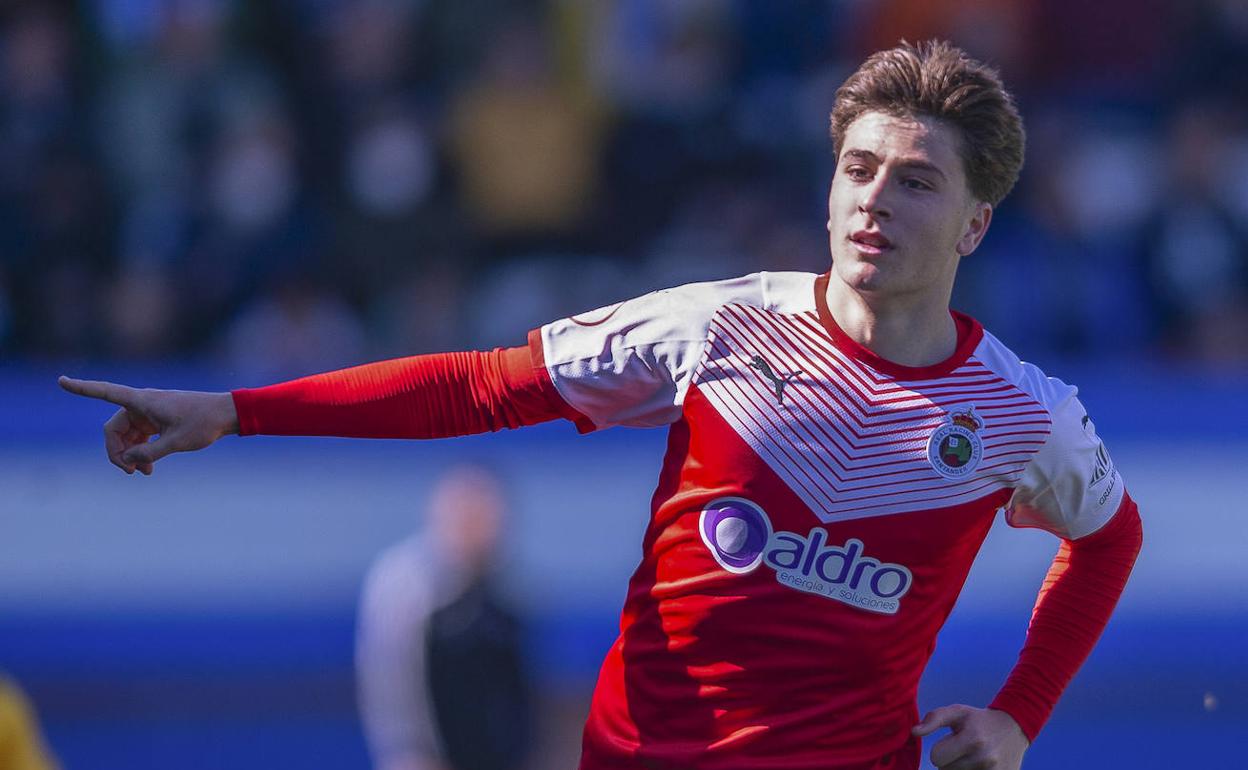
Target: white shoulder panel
[[1070, 487], [631, 363], [788, 292]]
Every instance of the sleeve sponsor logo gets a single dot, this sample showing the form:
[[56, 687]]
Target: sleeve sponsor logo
[[738, 534], [1113, 482], [1102, 467]]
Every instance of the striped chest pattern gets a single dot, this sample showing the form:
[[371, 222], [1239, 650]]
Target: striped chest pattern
[[853, 442]]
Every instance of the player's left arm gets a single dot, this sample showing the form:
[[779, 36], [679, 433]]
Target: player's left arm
[[1072, 489]]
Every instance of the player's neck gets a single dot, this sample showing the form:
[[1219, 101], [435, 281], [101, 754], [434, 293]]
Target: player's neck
[[911, 331]]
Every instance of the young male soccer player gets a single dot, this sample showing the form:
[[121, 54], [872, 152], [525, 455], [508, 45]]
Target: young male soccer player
[[838, 447]]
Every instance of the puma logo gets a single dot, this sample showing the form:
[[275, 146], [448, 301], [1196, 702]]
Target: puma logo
[[777, 382]]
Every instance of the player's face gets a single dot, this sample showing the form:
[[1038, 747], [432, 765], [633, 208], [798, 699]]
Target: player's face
[[900, 212]]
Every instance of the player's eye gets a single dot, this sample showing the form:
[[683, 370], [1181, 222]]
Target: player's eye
[[858, 173], [916, 184]]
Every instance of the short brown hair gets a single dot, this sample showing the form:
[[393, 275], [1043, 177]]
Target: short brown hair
[[938, 80]]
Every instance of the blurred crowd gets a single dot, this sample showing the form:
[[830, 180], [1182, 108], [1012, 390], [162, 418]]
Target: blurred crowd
[[293, 185]]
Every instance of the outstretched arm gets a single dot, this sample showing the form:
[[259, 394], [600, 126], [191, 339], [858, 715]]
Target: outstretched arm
[[429, 396], [1075, 602], [630, 366]]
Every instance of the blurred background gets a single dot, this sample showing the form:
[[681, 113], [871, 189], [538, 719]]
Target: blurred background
[[216, 193]]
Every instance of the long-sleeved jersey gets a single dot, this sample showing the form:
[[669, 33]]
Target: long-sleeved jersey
[[816, 515]]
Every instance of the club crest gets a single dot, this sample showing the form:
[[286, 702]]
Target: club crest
[[955, 448]]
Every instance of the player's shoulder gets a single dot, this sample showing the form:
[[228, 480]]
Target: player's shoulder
[[1050, 392], [788, 291], [782, 291], [677, 314]]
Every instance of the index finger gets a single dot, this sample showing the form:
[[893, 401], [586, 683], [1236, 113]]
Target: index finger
[[122, 395], [945, 716]]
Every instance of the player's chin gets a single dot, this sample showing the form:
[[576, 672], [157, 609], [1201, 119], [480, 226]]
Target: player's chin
[[863, 276]]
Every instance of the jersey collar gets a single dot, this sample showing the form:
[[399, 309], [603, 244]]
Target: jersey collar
[[970, 332]]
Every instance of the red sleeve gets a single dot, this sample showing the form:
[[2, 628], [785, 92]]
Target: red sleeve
[[429, 396], [1075, 602]]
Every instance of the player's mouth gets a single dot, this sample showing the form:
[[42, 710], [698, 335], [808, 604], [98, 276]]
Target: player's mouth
[[870, 242]]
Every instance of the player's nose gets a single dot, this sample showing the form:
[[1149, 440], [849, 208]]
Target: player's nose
[[873, 201]]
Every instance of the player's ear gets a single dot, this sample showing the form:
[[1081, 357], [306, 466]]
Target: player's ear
[[976, 228]]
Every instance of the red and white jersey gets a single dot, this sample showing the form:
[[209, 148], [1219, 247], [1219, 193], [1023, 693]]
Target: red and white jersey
[[816, 516]]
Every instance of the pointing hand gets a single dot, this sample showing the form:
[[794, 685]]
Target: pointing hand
[[181, 421]]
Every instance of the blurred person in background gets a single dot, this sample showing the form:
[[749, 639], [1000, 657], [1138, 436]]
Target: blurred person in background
[[524, 146], [54, 210], [21, 744], [297, 327], [439, 659], [192, 133], [1198, 244], [839, 447]]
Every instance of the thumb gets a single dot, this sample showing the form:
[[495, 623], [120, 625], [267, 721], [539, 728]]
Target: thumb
[[945, 716], [146, 454]]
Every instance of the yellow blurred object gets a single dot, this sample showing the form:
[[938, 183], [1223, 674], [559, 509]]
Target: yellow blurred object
[[524, 141], [21, 744], [526, 156]]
